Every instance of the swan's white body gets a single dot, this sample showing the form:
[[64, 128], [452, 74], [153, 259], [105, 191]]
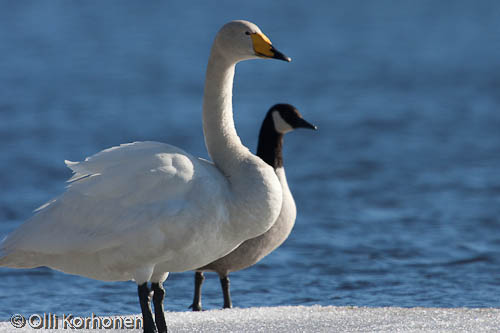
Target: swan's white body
[[253, 250], [144, 209], [130, 206]]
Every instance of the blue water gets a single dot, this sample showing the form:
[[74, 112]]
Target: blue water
[[398, 193]]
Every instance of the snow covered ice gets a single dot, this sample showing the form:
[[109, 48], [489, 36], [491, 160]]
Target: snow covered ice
[[321, 319]]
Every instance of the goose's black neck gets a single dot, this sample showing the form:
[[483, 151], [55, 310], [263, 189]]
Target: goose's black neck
[[270, 144]]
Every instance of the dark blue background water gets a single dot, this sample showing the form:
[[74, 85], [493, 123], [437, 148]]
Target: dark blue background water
[[398, 193]]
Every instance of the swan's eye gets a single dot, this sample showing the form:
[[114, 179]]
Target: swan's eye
[[247, 32]]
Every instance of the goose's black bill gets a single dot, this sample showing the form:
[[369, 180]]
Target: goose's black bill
[[302, 123]]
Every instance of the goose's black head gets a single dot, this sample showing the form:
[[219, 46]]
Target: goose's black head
[[286, 118], [280, 119]]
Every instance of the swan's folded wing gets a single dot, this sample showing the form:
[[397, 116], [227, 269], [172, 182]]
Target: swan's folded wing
[[131, 192]]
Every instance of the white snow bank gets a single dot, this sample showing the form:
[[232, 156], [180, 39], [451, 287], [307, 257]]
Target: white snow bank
[[319, 319]]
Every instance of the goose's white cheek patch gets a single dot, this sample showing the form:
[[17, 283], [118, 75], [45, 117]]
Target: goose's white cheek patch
[[280, 125]]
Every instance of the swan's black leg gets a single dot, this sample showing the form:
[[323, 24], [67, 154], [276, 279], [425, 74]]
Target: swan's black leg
[[158, 296], [198, 281], [224, 282], [148, 323]]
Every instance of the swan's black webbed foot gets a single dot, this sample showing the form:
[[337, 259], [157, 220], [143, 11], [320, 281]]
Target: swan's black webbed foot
[[148, 323], [158, 297]]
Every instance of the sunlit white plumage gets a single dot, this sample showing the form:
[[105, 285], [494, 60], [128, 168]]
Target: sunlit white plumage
[[141, 210], [137, 203]]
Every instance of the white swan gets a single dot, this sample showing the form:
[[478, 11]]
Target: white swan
[[143, 209], [280, 119]]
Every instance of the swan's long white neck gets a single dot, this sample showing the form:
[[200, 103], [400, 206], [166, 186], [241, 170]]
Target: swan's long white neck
[[223, 143], [256, 194]]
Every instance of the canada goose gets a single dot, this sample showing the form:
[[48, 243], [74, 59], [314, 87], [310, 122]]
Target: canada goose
[[280, 119], [141, 210]]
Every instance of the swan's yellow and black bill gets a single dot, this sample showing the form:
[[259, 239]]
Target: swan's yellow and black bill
[[264, 48]]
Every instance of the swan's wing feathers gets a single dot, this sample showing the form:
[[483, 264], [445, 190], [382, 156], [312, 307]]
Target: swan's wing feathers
[[115, 156], [132, 171], [78, 172], [122, 192]]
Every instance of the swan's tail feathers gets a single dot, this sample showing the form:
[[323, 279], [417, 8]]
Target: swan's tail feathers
[[15, 260], [9, 257], [4, 257], [4, 254]]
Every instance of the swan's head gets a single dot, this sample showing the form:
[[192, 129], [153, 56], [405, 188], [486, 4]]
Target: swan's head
[[286, 118], [242, 40]]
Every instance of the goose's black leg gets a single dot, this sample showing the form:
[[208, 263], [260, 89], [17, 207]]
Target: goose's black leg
[[158, 296], [148, 323], [198, 281], [224, 282]]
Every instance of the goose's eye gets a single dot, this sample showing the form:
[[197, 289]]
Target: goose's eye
[[247, 32]]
